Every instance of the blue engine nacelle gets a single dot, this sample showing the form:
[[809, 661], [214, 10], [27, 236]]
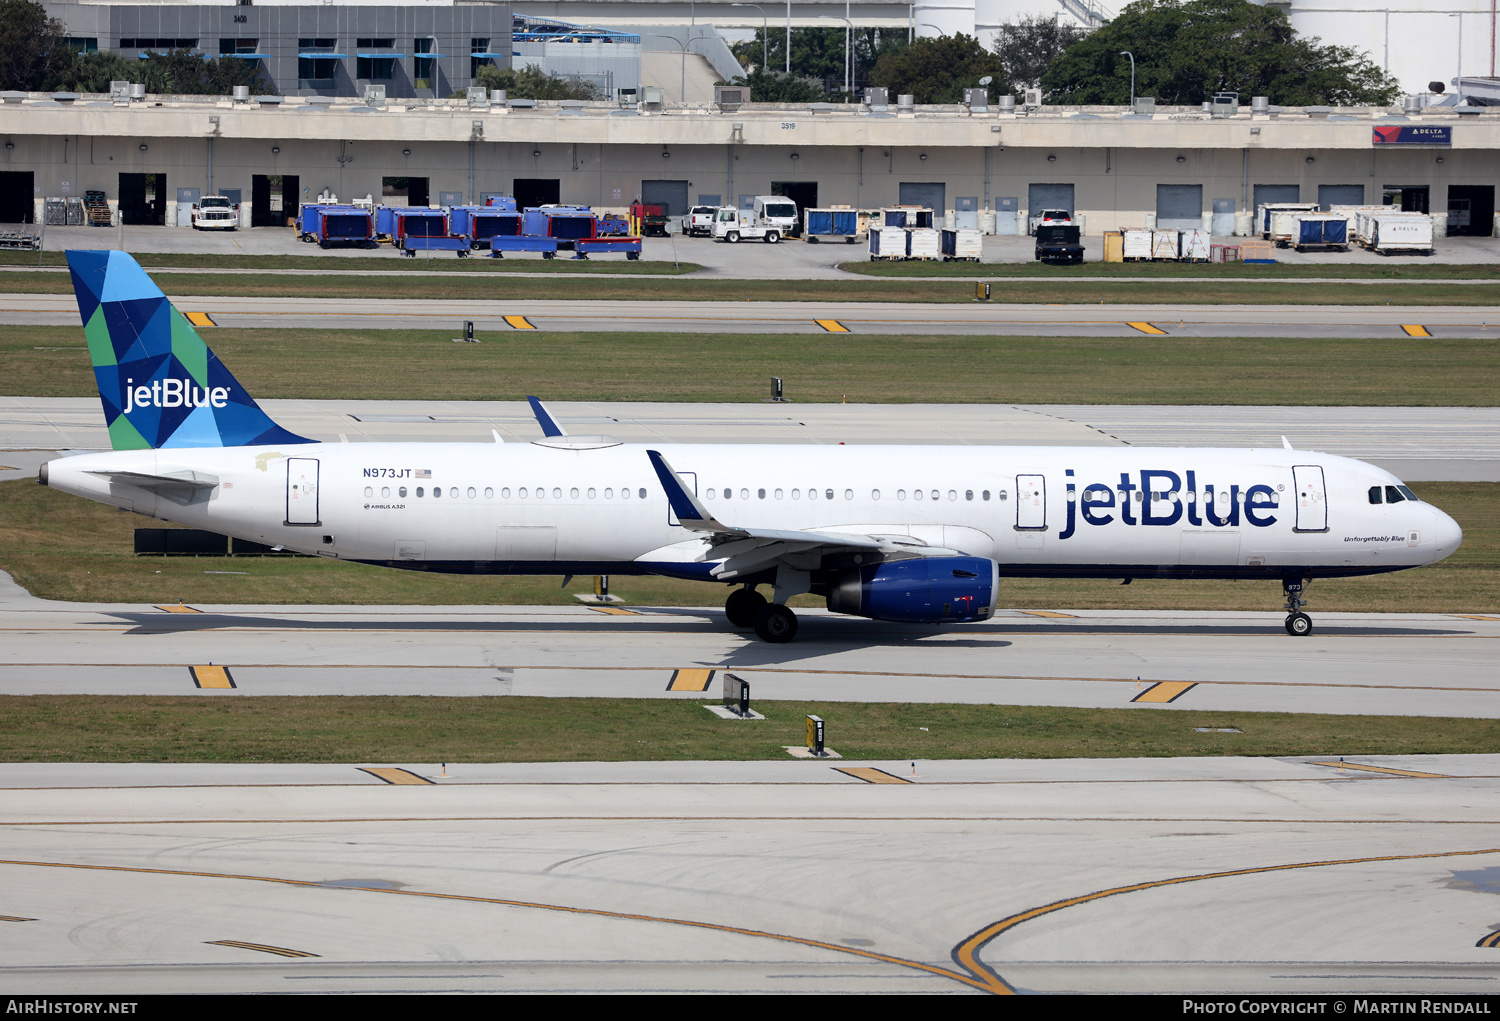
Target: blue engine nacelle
[[928, 590]]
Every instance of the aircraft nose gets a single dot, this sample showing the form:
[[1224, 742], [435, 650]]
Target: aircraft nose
[[1446, 534]]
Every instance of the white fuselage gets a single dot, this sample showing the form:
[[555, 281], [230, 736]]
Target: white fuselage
[[571, 507]]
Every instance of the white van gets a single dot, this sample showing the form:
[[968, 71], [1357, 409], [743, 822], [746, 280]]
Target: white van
[[778, 212]]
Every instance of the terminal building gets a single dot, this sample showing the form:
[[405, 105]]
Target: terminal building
[[982, 167]]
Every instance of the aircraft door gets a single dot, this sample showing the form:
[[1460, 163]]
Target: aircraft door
[[1312, 498], [1031, 503], [301, 491]]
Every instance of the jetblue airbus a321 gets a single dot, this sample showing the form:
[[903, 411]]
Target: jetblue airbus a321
[[895, 533]]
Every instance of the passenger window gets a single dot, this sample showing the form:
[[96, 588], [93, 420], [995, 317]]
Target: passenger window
[[985, 495], [419, 492], [796, 494], [874, 494], [711, 492], [812, 494], [609, 493], [729, 494], [505, 493], [828, 494], [591, 493], [438, 492], [916, 494], [369, 491], [952, 494], [572, 493], [489, 494], [1374, 494], [403, 492], [778, 494], [556, 493], [472, 494], [643, 494], [968, 494], [453, 492], [624, 494], [1393, 495], [744, 494], [901, 494], [385, 491], [848, 494], [935, 494]]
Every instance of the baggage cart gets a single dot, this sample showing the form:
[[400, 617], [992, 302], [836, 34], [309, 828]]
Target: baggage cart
[[1322, 230], [1166, 245], [566, 224], [499, 245], [1401, 232], [628, 246], [887, 243], [1136, 244], [329, 225], [961, 245], [906, 216], [412, 244], [478, 224], [830, 224], [1266, 210], [1196, 246], [923, 243]]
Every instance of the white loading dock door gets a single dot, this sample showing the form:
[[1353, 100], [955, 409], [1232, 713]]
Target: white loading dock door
[[1031, 503], [966, 213], [1179, 206], [1268, 194], [187, 198], [301, 491], [1312, 498], [1340, 195], [930, 194]]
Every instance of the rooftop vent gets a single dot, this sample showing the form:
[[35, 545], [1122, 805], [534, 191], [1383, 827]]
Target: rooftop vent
[[730, 98]]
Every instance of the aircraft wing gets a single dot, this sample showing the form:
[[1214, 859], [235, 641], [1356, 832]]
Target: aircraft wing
[[750, 550], [190, 480]]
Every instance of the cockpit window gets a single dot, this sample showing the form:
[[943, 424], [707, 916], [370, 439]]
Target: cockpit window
[[1407, 493], [1393, 495], [1374, 494]]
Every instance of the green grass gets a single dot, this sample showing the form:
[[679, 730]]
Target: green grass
[[477, 286], [62, 547], [480, 262], [408, 730], [43, 361], [1384, 269]]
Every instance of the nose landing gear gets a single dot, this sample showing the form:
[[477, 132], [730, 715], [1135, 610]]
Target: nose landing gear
[[1297, 622]]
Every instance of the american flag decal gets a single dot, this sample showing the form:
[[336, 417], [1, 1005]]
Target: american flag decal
[[424, 473]]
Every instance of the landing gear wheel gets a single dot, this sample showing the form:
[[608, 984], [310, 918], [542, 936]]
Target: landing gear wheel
[[1299, 624], [776, 624], [742, 606]]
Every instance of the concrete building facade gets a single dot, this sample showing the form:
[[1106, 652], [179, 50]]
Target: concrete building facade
[[1116, 170]]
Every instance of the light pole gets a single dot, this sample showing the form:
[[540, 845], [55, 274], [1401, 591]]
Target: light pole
[[765, 34], [1125, 53], [848, 37], [682, 86], [928, 24], [788, 36], [1459, 81]]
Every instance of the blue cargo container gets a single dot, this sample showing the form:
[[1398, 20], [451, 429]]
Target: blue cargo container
[[831, 223], [907, 216], [397, 223], [585, 247], [478, 224], [1322, 231], [566, 224], [327, 225]]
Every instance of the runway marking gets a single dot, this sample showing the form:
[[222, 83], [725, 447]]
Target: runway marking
[[691, 679], [966, 953], [832, 325], [1415, 331], [179, 608], [15, 918], [1165, 691], [211, 676], [1473, 616], [1049, 613], [649, 668], [278, 951], [392, 775], [200, 319], [1147, 328], [985, 984], [869, 774], [615, 611], [519, 322], [1385, 770], [1491, 941]]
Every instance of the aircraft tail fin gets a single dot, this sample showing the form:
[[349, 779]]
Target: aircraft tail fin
[[160, 384]]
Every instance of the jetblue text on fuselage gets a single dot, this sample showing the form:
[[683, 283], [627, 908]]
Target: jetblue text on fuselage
[[173, 393], [1160, 498]]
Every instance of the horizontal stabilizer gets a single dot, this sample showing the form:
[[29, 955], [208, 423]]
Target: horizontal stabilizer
[[191, 480]]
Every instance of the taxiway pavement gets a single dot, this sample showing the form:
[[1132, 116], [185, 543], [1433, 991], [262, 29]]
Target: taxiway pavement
[[1162, 875]]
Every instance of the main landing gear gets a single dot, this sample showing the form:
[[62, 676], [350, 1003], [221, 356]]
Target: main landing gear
[[1297, 622], [773, 622]]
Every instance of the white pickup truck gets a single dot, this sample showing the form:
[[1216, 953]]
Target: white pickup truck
[[215, 212], [699, 220], [734, 225]]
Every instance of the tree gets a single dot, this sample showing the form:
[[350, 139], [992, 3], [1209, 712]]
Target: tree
[[938, 70], [779, 87], [178, 72], [1028, 47], [531, 82], [32, 51], [1186, 50], [818, 53]]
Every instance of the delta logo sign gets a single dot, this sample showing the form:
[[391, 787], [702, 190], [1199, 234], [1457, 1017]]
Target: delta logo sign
[[1413, 134]]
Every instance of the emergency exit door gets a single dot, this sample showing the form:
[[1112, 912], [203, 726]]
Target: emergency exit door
[[1312, 498], [301, 491], [1031, 503]]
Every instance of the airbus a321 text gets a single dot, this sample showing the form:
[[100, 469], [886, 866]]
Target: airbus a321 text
[[895, 533]]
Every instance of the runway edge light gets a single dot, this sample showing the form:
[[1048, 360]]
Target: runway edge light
[[815, 736]]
